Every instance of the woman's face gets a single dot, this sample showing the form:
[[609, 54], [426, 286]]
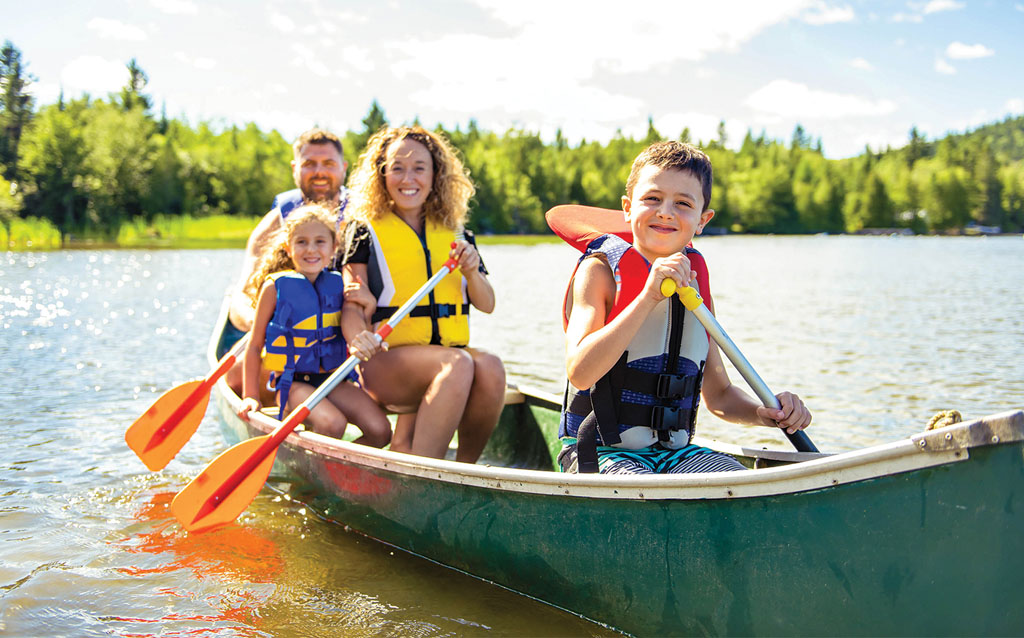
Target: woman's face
[[408, 175]]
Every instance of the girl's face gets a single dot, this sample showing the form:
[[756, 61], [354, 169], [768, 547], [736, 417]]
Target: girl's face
[[408, 175], [311, 248]]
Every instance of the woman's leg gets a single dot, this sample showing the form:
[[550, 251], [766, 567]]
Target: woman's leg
[[483, 409], [433, 379], [405, 425]]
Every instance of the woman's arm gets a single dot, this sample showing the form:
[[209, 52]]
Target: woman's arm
[[478, 287]]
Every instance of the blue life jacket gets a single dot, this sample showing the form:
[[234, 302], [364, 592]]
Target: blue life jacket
[[288, 201], [304, 335]]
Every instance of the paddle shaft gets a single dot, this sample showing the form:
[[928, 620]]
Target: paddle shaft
[[197, 395], [300, 413], [695, 304]]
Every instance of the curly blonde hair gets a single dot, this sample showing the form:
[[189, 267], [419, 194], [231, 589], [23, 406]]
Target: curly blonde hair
[[275, 256], [448, 200]]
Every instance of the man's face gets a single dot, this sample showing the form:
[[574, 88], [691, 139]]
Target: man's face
[[319, 172]]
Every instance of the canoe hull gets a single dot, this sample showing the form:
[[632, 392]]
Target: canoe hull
[[935, 549]]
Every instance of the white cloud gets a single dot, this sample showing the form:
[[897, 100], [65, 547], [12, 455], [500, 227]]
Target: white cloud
[[357, 58], [822, 13], [935, 6], [542, 67], [1015, 105], [961, 51], [176, 7], [115, 29], [862, 64], [944, 67], [792, 99], [202, 63], [906, 17], [93, 74], [281, 22], [309, 59]]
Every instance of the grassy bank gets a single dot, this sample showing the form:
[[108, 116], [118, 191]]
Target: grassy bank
[[217, 231]]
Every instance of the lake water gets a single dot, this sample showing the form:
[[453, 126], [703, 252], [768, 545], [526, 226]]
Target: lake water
[[875, 333]]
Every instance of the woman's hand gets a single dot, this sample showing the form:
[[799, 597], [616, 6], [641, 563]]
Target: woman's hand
[[467, 256], [247, 406], [792, 416], [366, 344], [675, 267]]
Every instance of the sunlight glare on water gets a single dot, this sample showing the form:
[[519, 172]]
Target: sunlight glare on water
[[875, 333]]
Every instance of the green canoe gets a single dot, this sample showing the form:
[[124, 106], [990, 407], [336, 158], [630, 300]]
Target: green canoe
[[923, 536]]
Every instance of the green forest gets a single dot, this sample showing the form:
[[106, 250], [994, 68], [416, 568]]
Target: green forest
[[93, 167]]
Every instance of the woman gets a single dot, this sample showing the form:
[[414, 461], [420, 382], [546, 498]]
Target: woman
[[411, 197]]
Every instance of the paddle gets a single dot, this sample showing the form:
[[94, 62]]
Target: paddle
[[162, 430], [695, 304], [231, 481]]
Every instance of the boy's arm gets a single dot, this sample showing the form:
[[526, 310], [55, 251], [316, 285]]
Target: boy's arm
[[731, 403], [591, 347]]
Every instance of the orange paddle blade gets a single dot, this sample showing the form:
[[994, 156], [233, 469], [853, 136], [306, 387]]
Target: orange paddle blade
[[168, 424], [210, 501]]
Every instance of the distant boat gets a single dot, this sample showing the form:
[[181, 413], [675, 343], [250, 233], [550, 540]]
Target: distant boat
[[918, 537]]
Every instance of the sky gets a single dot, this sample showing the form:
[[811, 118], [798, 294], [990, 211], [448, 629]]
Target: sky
[[852, 73]]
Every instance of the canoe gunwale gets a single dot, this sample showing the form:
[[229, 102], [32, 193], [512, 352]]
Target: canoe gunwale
[[804, 471]]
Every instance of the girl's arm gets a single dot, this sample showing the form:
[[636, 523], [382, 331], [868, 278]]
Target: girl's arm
[[478, 287], [731, 403], [592, 347], [265, 305]]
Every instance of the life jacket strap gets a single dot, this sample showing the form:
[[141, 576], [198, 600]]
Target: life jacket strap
[[442, 311]]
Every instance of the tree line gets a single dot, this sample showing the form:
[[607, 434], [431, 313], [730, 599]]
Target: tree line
[[90, 165]]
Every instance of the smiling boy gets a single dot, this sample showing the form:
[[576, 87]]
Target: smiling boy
[[638, 362]]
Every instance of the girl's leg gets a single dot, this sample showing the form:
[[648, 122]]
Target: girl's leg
[[483, 409], [363, 412], [434, 380], [325, 418]]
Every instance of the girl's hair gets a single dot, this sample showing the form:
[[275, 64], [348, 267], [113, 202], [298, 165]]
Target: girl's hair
[[448, 201], [275, 256]]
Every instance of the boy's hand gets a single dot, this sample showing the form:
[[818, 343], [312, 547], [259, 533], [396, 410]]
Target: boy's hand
[[675, 267], [793, 416], [366, 344], [467, 256]]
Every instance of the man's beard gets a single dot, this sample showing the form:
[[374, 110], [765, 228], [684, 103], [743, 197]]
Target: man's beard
[[314, 197]]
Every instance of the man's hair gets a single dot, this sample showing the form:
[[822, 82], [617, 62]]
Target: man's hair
[[675, 156], [317, 136]]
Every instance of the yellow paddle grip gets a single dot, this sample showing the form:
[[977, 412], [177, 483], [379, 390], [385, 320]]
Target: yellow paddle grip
[[690, 297]]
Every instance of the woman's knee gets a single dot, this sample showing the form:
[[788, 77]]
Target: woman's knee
[[489, 373], [457, 364]]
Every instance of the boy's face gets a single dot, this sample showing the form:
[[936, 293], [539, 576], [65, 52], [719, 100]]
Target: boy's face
[[664, 212]]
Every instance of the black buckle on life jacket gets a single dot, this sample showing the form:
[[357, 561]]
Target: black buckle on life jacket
[[675, 386], [665, 418], [442, 310]]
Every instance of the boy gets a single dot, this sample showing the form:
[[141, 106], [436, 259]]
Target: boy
[[638, 362]]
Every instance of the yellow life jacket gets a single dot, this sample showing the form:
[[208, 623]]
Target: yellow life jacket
[[400, 262]]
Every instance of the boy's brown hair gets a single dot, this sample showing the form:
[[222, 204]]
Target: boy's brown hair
[[317, 136], [676, 156]]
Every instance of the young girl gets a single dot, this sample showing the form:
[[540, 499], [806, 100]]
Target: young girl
[[296, 331]]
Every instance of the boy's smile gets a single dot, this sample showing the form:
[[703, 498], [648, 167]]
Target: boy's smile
[[665, 211]]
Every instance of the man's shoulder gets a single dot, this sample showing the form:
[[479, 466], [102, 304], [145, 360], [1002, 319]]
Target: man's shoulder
[[286, 201]]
